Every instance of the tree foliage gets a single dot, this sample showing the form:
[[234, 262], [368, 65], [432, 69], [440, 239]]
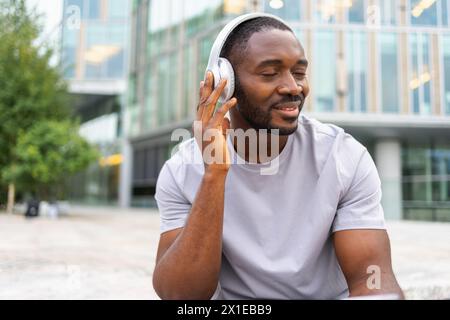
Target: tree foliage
[[45, 154], [31, 89], [39, 144]]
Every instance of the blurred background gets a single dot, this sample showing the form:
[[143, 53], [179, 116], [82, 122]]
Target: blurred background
[[124, 75]]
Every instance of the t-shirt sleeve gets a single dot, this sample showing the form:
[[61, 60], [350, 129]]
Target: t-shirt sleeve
[[360, 206], [173, 206]]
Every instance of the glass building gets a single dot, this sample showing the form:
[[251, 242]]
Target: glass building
[[94, 59], [378, 68]]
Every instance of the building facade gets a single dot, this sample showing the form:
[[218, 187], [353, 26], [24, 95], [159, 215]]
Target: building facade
[[378, 68], [94, 60]]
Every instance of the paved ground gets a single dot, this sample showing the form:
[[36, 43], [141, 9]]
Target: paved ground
[[109, 254]]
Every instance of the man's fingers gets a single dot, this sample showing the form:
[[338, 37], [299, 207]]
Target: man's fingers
[[222, 111], [212, 100], [205, 92], [207, 87], [200, 105], [225, 125]]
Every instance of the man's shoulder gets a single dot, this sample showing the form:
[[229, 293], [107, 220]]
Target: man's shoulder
[[317, 127], [326, 138], [186, 155]]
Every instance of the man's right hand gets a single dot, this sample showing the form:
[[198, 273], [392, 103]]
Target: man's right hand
[[210, 127]]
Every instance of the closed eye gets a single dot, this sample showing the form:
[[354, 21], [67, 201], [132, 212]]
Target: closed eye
[[299, 75], [268, 75]]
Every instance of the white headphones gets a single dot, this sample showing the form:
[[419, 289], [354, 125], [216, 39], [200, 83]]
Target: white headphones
[[221, 67]]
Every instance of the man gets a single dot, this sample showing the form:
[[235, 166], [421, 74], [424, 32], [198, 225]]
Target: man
[[312, 230]]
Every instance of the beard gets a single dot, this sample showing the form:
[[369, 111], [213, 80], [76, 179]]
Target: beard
[[259, 118]]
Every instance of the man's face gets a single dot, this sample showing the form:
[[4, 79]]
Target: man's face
[[271, 84]]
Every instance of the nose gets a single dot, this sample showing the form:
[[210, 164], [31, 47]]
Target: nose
[[290, 86]]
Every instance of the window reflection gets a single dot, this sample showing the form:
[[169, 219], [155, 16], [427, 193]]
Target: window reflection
[[357, 71], [426, 182], [389, 72], [388, 11], [446, 72], [444, 12], [356, 11], [94, 9], [102, 54], [324, 70], [421, 74], [286, 9], [117, 9], [325, 11], [423, 12], [190, 86]]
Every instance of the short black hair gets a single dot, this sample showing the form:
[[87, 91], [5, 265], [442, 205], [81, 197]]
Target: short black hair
[[237, 41]]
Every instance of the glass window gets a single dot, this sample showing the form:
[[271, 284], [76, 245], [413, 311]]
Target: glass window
[[286, 9], [118, 9], [199, 14], [78, 3], [440, 164], [423, 12], [356, 11], [357, 71], [444, 12], [160, 15], [389, 72], [416, 174], [414, 83], [70, 37], [115, 65], [421, 74], [132, 92], [117, 33], [163, 92], [93, 71], [324, 71], [173, 87], [426, 171], [69, 62], [190, 87], [68, 58], [96, 34], [205, 48], [325, 11], [94, 9], [446, 71], [388, 11], [167, 78], [150, 96], [300, 35]]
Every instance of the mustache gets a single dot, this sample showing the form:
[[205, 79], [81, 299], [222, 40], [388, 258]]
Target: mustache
[[289, 99]]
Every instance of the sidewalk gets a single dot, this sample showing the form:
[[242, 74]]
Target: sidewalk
[[91, 254], [109, 253]]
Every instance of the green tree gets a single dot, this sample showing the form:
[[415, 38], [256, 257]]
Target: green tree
[[45, 155], [31, 89]]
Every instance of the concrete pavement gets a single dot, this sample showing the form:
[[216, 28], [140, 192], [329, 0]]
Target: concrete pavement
[[108, 253], [99, 255]]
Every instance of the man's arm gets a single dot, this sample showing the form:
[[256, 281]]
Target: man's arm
[[189, 258], [365, 259]]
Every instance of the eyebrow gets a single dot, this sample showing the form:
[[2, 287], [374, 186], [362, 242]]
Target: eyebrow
[[277, 62]]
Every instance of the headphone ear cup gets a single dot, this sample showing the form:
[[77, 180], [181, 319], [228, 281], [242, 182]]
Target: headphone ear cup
[[226, 72]]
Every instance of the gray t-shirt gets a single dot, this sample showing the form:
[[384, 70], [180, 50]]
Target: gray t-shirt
[[277, 230]]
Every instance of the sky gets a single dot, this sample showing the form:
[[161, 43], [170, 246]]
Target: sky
[[52, 11]]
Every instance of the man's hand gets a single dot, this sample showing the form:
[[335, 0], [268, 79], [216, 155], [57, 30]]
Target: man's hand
[[210, 128]]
